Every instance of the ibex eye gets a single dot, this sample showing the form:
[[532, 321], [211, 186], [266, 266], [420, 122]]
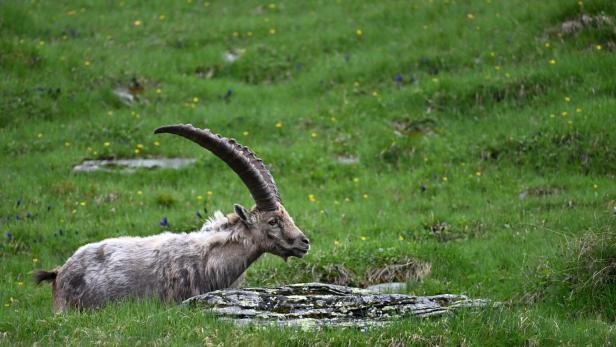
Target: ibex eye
[[272, 222]]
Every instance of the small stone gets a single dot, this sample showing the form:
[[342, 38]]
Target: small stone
[[129, 165], [347, 159]]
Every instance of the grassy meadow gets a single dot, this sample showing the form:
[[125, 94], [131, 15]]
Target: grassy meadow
[[475, 136]]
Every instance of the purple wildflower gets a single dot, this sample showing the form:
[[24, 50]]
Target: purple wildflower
[[227, 95]]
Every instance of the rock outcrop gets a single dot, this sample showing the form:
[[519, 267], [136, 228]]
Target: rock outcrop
[[310, 304]]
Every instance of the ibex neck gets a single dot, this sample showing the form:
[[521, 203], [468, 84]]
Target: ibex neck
[[228, 261]]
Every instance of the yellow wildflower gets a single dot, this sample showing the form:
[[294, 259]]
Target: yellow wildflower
[[272, 31], [156, 143], [445, 178], [363, 238], [312, 198], [158, 91], [401, 238], [337, 243], [83, 203], [599, 47], [199, 197], [39, 135], [578, 110], [567, 99], [140, 146], [245, 133], [161, 17], [359, 32], [595, 186], [313, 135], [365, 196], [137, 22], [35, 260], [279, 125], [552, 61], [87, 63], [139, 192], [470, 16], [209, 194], [107, 144], [195, 99]]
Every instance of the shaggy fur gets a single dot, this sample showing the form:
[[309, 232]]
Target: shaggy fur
[[171, 266]]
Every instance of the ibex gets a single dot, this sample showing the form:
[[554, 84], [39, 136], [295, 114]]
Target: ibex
[[173, 266]]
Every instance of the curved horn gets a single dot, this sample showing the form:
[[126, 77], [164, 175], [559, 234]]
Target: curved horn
[[240, 159], [259, 165]]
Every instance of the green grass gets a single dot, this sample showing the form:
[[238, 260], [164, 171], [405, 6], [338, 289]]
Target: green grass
[[492, 100]]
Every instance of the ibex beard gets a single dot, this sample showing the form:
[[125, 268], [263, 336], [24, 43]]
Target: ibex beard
[[174, 266]]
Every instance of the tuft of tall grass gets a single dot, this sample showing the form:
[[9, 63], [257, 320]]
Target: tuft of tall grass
[[584, 280]]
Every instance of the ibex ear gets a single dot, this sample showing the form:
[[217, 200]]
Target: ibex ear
[[242, 213]]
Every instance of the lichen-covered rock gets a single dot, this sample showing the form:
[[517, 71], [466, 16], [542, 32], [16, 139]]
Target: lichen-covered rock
[[392, 287], [324, 304]]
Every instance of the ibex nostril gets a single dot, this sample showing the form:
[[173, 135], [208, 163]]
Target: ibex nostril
[[305, 240]]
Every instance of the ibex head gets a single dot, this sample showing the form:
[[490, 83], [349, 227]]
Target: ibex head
[[268, 220], [276, 231]]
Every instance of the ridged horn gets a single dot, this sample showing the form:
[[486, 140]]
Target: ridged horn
[[240, 159]]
